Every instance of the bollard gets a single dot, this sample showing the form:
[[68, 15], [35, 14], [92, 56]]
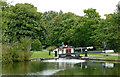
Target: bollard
[[49, 52], [85, 52], [55, 53]]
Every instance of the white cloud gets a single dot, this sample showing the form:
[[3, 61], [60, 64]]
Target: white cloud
[[74, 6]]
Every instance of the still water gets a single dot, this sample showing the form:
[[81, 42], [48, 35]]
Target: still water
[[61, 66]]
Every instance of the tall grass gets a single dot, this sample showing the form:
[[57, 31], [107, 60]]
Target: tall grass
[[17, 51]]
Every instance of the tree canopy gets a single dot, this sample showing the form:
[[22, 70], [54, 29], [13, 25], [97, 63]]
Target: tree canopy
[[52, 28], [22, 20]]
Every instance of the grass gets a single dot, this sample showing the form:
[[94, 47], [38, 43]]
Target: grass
[[104, 61], [104, 57], [93, 54], [41, 54], [45, 54]]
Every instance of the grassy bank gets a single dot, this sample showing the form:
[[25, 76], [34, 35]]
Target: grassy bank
[[93, 54], [103, 57], [45, 54], [41, 54]]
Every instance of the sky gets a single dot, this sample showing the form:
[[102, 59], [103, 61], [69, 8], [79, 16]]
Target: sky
[[74, 6]]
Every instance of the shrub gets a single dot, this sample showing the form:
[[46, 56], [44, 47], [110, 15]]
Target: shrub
[[7, 53], [36, 45], [26, 47], [18, 51]]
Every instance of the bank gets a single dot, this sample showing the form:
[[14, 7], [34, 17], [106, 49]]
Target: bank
[[44, 55]]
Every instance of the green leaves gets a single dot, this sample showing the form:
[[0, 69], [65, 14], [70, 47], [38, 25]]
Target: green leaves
[[91, 13], [36, 45], [52, 28], [22, 20], [16, 51]]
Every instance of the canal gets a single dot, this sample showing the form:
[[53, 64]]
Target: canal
[[61, 66]]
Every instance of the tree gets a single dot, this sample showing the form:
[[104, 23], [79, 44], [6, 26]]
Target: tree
[[59, 28], [61, 12], [48, 18], [106, 31], [49, 15], [118, 21], [22, 20], [91, 13], [3, 8]]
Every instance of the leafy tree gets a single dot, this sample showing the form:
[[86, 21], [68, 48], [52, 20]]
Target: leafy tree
[[91, 13], [48, 18], [3, 8], [106, 31], [61, 12], [52, 28], [49, 15], [118, 22], [72, 29], [59, 27], [22, 20]]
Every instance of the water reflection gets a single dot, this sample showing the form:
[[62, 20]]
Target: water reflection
[[105, 65], [73, 61], [104, 69], [95, 68], [46, 72], [65, 63], [61, 67]]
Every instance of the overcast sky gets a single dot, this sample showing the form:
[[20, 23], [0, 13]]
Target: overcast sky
[[74, 6]]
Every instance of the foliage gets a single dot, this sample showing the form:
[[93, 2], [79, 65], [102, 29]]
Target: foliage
[[118, 22], [106, 31], [52, 28], [91, 13], [75, 30], [7, 53], [22, 20], [48, 18], [36, 45], [18, 51], [49, 15]]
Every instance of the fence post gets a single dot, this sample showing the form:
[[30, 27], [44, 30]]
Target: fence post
[[85, 52], [55, 53], [49, 52]]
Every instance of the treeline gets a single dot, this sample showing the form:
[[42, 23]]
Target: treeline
[[51, 28]]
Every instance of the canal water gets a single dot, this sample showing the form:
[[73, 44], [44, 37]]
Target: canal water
[[61, 66]]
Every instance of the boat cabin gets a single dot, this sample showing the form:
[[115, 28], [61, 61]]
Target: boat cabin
[[63, 50]]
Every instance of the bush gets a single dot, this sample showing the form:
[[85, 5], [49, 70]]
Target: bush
[[18, 51], [26, 47], [7, 53], [36, 45]]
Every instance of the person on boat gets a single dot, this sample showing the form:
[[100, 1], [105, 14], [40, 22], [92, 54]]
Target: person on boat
[[63, 45]]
